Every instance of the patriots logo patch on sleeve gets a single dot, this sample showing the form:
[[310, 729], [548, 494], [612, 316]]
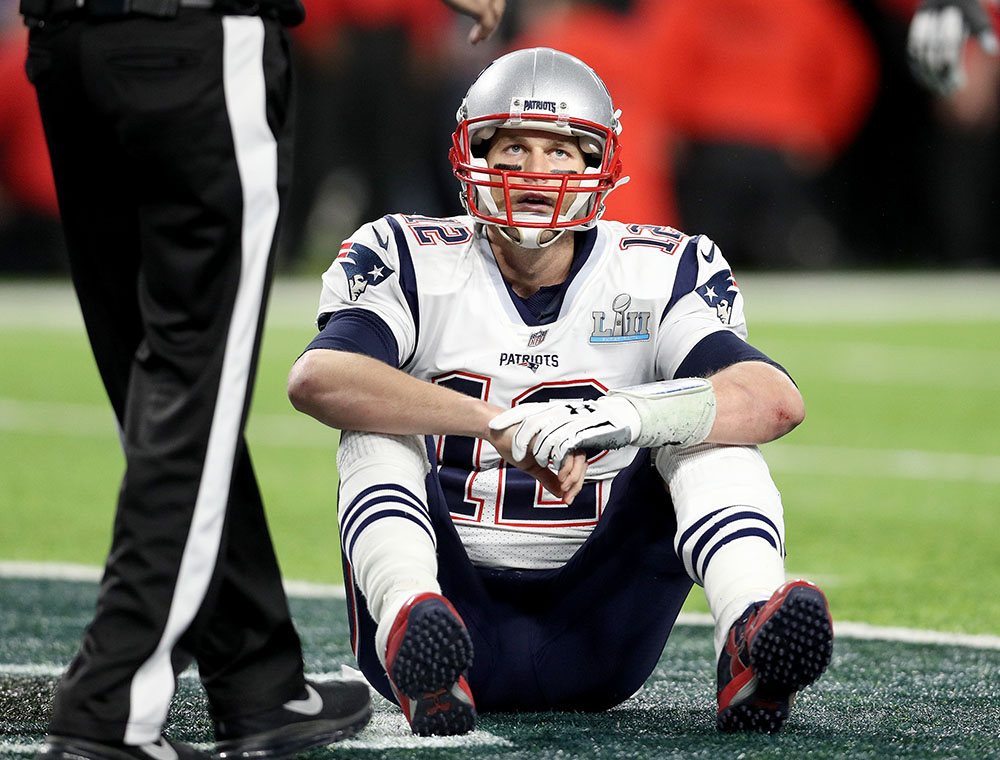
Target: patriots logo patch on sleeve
[[362, 267], [720, 293]]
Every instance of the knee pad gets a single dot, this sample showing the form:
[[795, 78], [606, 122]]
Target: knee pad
[[402, 453]]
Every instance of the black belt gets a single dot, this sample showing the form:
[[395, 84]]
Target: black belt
[[38, 12]]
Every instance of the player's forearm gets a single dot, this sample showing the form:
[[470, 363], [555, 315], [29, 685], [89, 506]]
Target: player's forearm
[[755, 403], [354, 392]]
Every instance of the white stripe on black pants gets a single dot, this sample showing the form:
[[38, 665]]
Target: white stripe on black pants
[[170, 151]]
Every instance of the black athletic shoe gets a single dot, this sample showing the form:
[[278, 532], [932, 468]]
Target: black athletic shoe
[[773, 651], [326, 713], [68, 748], [428, 654]]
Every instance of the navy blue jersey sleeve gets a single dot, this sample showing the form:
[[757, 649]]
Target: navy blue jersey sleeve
[[719, 350], [359, 331]]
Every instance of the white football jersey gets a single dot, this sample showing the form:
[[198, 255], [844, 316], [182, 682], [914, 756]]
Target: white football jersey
[[639, 298]]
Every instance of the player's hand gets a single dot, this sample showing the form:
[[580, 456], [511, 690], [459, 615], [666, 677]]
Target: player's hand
[[938, 33], [553, 429], [565, 483], [487, 14]]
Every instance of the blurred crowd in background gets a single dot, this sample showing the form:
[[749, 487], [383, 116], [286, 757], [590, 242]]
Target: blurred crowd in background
[[790, 131]]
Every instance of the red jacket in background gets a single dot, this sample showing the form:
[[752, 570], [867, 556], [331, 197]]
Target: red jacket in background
[[796, 76], [25, 171]]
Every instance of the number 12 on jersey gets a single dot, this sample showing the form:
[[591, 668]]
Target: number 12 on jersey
[[478, 489]]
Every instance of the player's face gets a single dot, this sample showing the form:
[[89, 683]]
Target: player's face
[[536, 151]]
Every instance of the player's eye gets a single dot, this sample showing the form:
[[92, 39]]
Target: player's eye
[[564, 155]]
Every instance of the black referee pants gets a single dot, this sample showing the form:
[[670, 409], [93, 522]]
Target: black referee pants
[[170, 152]]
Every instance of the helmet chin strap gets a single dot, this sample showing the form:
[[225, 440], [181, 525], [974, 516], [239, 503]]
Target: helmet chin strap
[[529, 237]]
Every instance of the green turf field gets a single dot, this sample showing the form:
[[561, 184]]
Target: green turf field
[[891, 490], [891, 486]]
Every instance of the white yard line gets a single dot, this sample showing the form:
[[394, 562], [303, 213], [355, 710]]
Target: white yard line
[[9, 749], [97, 421], [874, 364], [904, 464], [888, 297], [799, 298], [41, 304], [306, 589], [387, 730]]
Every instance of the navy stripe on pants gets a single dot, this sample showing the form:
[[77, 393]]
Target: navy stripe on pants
[[170, 152]]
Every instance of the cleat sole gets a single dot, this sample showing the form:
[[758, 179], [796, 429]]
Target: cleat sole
[[434, 653], [427, 667], [794, 646]]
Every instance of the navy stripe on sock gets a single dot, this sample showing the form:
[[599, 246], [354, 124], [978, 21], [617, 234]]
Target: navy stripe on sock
[[744, 533], [380, 515], [361, 502], [710, 535]]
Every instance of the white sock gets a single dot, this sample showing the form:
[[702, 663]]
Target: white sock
[[742, 572], [721, 494], [386, 531]]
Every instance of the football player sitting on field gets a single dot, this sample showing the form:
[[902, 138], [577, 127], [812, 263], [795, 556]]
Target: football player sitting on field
[[550, 426]]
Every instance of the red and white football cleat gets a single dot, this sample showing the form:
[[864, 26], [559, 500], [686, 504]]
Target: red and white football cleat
[[773, 651], [428, 654]]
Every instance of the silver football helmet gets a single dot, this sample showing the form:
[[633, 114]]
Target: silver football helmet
[[539, 89]]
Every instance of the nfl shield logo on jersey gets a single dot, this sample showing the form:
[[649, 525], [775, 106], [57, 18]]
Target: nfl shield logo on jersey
[[537, 338], [362, 267]]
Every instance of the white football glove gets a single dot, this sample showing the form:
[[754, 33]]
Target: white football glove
[[672, 412], [937, 37], [559, 427]]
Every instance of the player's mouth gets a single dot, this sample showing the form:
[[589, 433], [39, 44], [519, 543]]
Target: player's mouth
[[532, 202]]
